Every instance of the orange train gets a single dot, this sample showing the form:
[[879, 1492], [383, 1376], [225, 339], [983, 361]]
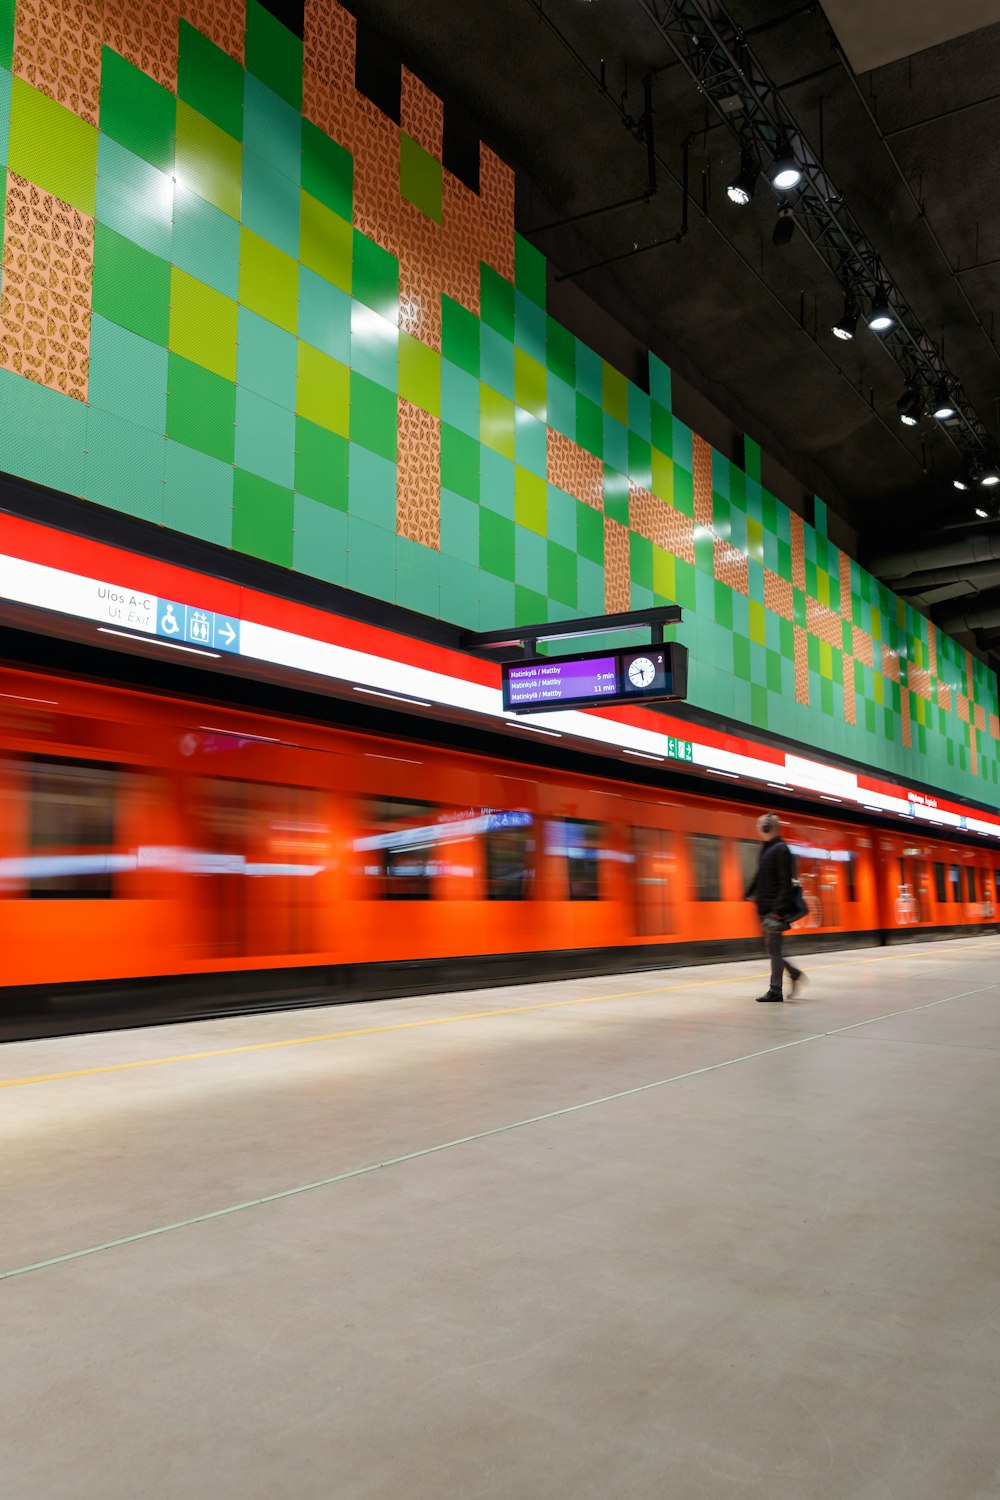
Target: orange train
[[228, 858]]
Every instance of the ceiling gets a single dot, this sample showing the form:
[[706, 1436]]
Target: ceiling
[[913, 148]]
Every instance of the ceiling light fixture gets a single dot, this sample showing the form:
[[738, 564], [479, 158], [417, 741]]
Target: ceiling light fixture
[[785, 170], [909, 407], [963, 481], [785, 227], [990, 476], [983, 515], [880, 315], [943, 407], [847, 323], [741, 189]]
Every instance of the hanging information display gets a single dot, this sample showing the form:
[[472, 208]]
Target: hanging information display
[[639, 674]]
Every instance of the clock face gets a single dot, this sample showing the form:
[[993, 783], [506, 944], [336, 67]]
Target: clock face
[[641, 672]]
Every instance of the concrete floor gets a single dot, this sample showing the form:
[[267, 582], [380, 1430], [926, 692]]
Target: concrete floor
[[631, 1237]]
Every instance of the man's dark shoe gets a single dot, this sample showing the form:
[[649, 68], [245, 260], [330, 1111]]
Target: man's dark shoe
[[774, 995], [798, 979]]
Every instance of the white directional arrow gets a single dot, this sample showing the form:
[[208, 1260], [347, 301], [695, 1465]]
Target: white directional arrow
[[228, 633]]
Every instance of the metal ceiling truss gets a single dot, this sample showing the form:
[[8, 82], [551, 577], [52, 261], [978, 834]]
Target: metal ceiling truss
[[715, 52]]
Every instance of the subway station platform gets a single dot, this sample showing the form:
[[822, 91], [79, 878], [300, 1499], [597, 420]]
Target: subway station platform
[[637, 1237]]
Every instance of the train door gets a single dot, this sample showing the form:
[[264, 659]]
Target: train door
[[653, 870]]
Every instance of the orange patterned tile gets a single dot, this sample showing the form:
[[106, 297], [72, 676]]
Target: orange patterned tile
[[973, 756], [660, 523], [732, 567], [496, 192], [932, 648], [918, 680], [962, 707], [801, 665], [995, 726], [798, 552], [418, 475], [574, 470], [617, 582], [421, 113], [844, 563], [890, 664], [701, 462], [944, 697], [48, 268], [904, 708], [864, 646], [146, 35], [824, 624], [778, 595], [980, 716], [222, 21], [420, 276], [57, 49]]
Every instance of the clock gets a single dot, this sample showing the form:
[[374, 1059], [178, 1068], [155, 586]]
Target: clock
[[641, 672]]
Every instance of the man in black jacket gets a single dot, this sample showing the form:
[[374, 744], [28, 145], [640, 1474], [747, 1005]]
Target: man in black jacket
[[771, 890]]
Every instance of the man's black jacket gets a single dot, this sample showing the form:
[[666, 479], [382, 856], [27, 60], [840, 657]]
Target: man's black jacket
[[771, 887]]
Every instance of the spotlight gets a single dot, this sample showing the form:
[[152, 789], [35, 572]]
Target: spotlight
[[880, 314], [741, 189], [910, 407], [846, 324], [983, 515], [943, 407], [785, 227], [990, 476], [963, 480], [785, 170]]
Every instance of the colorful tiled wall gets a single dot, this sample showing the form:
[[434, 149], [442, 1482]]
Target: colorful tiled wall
[[239, 301]]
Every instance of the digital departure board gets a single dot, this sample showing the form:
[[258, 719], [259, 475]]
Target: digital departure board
[[552, 682]]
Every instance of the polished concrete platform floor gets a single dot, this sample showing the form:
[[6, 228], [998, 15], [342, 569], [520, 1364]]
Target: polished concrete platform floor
[[629, 1237]]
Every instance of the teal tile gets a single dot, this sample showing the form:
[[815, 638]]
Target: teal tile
[[496, 483], [128, 375], [496, 602], [371, 488], [589, 373], [615, 440], [371, 559], [374, 347], [134, 198], [639, 413], [272, 129], [206, 243], [265, 438], [496, 361], [459, 527], [125, 466], [42, 434], [270, 204], [562, 510], [561, 406], [530, 443], [319, 542], [529, 326], [682, 452], [418, 577], [198, 494], [266, 358], [324, 316], [530, 560], [589, 587], [460, 399], [459, 592]]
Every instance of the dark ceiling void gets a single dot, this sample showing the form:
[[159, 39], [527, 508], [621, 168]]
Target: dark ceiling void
[[567, 92]]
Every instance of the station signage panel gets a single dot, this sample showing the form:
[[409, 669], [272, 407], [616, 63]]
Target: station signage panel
[[640, 674]]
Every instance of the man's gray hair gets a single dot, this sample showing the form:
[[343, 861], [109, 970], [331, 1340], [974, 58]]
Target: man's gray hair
[[769, 823]]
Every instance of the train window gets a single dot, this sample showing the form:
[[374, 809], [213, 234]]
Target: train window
[[849, 877], [509, 841], [579, 843], [954, 882], [71, 829], [749, 856], [940, 890], [970, 882], [398, 846], [653, 865], [705, 866]]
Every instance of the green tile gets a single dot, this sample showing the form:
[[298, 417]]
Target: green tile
[[52, 147], [210, 81], [640, 560], [774, 671], [530, 607], [263, 518], [723, 605], [661, 428], [201, 409], [419, 374], [203, 324], [590, 533], [460, 336], [589, 426], [136, 111], [209, 162], [640, 461], [664, 575], [496, 544], [530, 501], [375, 278], [373, 416], [661, 475], [320, 464], [741, 657], [7, 8], [269, 280], [274, 54], [529, 384], [131, 287], [323, 390], [496, 302], [459, 462], [497, 421], [327, 171], [325, 242], [529, 270], [420, 177], [560, 351]]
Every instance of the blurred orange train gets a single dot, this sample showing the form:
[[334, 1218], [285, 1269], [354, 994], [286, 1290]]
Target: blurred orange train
[[230, 858]]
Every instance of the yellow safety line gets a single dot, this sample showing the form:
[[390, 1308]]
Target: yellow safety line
[[479, 1015]]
